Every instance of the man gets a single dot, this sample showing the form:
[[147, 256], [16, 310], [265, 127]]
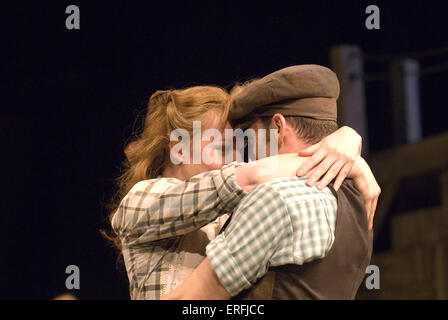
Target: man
[[316, 243]]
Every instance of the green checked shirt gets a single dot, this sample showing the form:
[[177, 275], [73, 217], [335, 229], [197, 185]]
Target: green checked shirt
[[279, 222]]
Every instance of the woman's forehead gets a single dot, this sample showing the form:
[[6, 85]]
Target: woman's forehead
[[212, 120], [228, 125]]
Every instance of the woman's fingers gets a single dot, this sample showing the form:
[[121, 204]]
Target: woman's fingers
[[372, 212], [371, 203], [312, 171], [368, 204], [370, 217], [321, 169], [331, 174], [311, 162], [342, 175], [308, 152]]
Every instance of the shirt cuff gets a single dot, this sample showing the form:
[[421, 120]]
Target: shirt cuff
[[225, 266], [228, 190]]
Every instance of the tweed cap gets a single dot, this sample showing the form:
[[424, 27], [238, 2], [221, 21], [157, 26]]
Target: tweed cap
[[301, 90]]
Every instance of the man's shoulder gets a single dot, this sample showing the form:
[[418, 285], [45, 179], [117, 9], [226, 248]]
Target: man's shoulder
[[295, 189]]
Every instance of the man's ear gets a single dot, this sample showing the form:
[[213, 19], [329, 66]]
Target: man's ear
[[279, 123]]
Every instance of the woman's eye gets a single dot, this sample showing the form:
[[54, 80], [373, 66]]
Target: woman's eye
[[223, 148], [219, 147], [229, 148]]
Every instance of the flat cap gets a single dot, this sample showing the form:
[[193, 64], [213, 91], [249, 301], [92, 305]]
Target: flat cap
[[302, 90]]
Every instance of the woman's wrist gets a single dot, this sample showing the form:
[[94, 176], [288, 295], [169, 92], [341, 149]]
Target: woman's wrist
[[358, 170], [252, 174], [246, 176]]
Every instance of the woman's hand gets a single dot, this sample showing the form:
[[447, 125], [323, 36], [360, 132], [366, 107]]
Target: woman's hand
[[334, 156], [366, 184]]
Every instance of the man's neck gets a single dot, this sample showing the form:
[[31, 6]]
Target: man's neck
[[293, 146]]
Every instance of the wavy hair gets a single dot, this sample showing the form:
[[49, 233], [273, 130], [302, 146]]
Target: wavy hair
[[148, 154]]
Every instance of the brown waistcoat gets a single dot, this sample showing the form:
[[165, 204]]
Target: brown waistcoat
[[339, 274]]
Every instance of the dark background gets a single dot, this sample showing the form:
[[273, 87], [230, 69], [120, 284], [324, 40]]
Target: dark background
[[71, 98]]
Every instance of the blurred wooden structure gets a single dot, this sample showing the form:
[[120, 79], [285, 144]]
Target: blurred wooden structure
[[346, 61], [416, 267]]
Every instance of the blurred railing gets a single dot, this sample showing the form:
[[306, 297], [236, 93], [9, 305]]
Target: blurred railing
[[416, 266], [394, 165]]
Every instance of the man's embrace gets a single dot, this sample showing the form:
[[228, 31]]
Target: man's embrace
[[285, 239]]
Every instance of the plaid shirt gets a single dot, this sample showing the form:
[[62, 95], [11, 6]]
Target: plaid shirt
[[165, 224], [279, 222]]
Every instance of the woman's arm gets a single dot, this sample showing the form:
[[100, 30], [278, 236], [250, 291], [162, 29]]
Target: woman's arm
[[366, 184], [161, 208], [252, 174], [166, 207]]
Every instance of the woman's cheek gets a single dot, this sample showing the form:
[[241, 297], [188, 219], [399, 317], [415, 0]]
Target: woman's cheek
[[216, 161]]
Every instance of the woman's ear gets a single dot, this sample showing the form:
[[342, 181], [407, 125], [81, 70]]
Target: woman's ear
[[176, 152], [279, 123]]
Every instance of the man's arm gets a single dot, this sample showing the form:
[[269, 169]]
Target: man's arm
[[202, 284], [262, 233]]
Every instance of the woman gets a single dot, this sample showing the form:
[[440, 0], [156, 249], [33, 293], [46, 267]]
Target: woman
[[163, 224]]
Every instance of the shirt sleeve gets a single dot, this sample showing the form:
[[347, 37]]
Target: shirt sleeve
[[241, 254], [161, 208], [268, 230]]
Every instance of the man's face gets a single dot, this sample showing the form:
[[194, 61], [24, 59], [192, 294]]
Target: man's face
[[265, 140]]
